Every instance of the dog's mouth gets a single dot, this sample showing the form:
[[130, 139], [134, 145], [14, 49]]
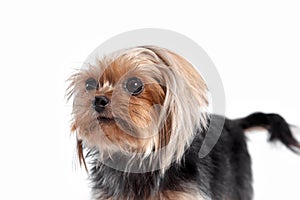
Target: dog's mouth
[[105, 120]]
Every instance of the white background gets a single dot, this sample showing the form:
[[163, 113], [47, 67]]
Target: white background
[[254, 45]]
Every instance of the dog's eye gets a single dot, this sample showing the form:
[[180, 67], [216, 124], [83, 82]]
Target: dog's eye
[[91, 84], [134, 86]]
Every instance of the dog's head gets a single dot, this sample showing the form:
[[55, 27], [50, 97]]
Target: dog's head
[[139, 100]]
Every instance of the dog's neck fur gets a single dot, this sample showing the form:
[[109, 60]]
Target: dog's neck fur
[[111, 183]]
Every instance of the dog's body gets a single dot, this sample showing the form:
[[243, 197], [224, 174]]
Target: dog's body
[[225, 173], [164, 142]]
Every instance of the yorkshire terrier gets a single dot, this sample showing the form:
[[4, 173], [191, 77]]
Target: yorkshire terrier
[[140, 117]]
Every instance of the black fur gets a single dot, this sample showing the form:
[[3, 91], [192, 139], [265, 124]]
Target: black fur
[[225, 173]]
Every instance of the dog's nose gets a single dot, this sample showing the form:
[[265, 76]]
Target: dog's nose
[[100, 103]]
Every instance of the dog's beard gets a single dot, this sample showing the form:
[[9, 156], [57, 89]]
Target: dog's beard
[[160, 122]]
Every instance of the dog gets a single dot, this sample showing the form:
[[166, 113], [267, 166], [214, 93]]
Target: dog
[[141, 116]]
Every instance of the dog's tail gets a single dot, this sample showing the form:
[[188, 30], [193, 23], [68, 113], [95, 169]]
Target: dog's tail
[[278, 128]]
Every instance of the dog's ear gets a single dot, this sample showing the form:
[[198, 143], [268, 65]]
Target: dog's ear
[[185, 102], [185, 70]]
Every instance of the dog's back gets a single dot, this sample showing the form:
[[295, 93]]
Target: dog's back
[[228, 165]]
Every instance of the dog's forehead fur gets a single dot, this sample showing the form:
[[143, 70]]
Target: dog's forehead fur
[[112, 68]]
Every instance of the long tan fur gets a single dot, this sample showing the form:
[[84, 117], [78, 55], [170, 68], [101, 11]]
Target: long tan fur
[[159, 122]]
